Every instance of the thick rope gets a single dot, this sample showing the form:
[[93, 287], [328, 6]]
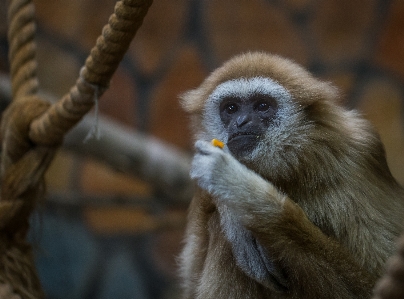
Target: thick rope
[[7, 293], [94, 77], [32, 129], [22, 167], [21, 32]]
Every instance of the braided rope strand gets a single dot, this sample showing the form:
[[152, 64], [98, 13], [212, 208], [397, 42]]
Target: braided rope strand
[[21, 32]]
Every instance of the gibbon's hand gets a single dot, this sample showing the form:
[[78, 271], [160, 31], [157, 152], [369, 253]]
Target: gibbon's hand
[[232, 183], [211, 166]]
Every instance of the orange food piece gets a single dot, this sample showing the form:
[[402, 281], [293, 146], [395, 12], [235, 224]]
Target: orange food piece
[[217, 143]]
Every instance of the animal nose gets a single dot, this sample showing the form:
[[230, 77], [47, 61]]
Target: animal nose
[[242, 120]]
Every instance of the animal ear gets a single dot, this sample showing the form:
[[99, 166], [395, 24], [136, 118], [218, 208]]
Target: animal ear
[[192, 101]]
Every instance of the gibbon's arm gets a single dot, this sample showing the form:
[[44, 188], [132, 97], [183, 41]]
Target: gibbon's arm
[[272, 239]]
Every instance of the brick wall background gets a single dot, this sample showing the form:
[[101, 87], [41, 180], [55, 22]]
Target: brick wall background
[[121, 250]]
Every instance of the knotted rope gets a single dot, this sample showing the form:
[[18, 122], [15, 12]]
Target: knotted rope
[[32, 129]]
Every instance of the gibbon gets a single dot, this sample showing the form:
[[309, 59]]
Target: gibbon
[[300, 202]]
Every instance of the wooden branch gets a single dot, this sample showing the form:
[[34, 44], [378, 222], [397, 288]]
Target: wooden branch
[[162, 165]]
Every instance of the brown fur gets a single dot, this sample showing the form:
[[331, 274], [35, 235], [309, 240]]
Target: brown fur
[[343, 209]]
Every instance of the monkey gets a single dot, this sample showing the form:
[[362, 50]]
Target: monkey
[[300, 202]]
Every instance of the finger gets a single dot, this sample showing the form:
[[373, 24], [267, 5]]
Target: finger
[[204, 147]]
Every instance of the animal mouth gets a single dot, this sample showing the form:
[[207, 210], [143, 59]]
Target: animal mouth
[[240, 135], [241, 144]]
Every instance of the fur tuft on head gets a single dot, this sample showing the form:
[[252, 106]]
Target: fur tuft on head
[[258, 64]]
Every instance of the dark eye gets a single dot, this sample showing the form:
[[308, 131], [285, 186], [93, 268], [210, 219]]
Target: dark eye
[[230, 108], [264, 103], [263, 106]]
